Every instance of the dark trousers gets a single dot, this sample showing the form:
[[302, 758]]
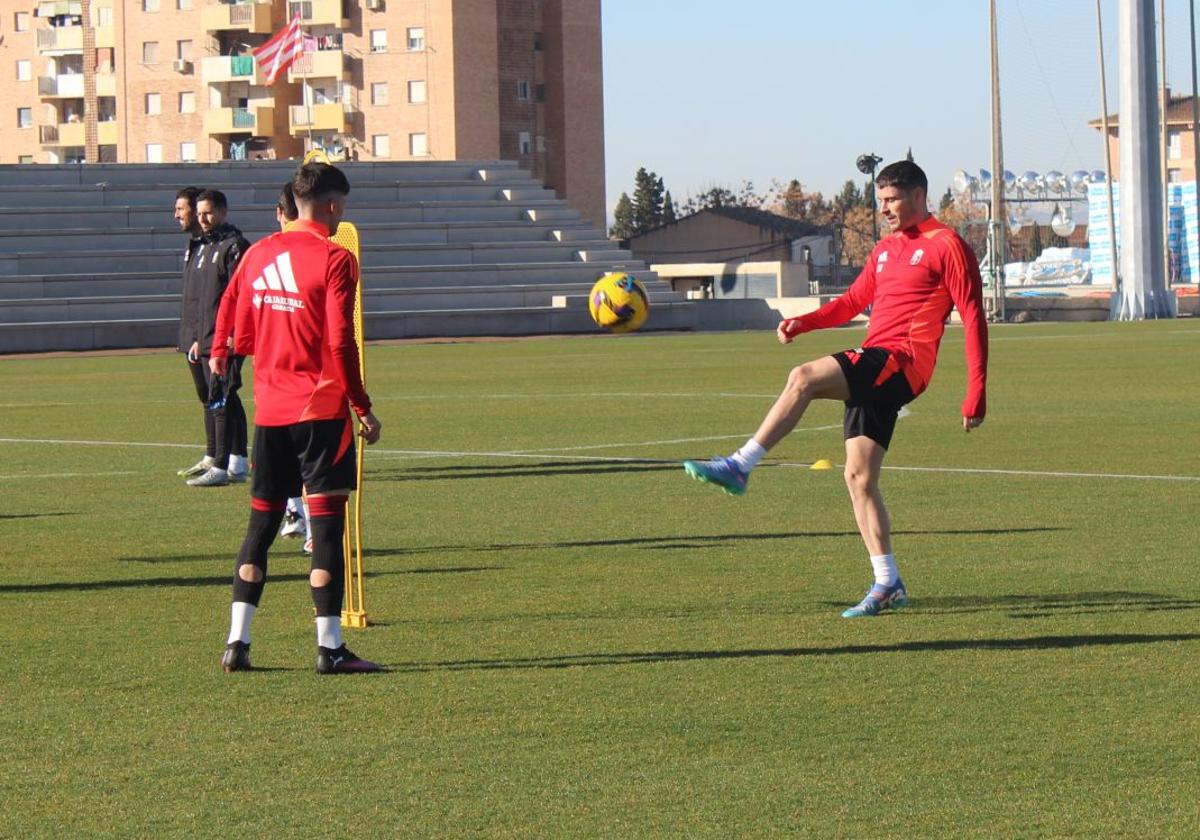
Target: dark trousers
[[225, 427]]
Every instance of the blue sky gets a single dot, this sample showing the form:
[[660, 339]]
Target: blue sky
[[708, 92]]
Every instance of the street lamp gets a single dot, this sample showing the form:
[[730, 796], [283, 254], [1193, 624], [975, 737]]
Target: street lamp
[[866, 165]]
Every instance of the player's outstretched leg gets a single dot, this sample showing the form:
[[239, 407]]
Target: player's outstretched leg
[[327, 515], [817, 380]]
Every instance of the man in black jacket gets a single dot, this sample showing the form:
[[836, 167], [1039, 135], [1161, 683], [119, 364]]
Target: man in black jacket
[[210, 266]]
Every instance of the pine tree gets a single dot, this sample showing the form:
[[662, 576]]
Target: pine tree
[[947, 201], [622, 219], [668, 210], [647, 201]]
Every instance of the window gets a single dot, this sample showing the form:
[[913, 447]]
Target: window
[[153, 104], [154, 153], [24, 117], [104, 16], [524, 143], [416, 38], [523, 91], [541, 142], [183, 5], [378, 40], [183, 50], [150, 52], [1174, 145], [25, 159], [104, 59], [418, 145], [149, 5], [187, 102], [21, 22], [416, 91], [1174, 176], [24, 70], [187, 152], [380, 147]]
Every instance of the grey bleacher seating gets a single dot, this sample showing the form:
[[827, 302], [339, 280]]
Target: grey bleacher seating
[[90, 254]]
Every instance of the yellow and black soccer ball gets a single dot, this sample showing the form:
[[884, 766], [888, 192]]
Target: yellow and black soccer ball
[[618, 302]]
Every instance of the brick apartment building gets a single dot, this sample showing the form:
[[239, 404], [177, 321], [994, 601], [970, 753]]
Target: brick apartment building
[[144, 81]]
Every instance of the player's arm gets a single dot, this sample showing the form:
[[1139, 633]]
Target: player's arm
[[838, 311], [960, 273], [223, 328], [339, 333]]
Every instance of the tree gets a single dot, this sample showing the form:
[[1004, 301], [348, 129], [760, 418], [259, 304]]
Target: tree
[[647, 201], [622, 219], [668, 210], [947, 201]]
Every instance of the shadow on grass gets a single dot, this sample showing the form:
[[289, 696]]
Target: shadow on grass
[[1041, 606], [34, 515], [591, 660], [537, 470], [208, 580]]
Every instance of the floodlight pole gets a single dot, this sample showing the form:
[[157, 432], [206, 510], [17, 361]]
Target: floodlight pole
[[998, 216], [1108, 171]]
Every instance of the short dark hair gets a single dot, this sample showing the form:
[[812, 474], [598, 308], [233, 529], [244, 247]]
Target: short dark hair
[[214, 197], [190, 194], [287, 203], [904, 175], [318, 180]]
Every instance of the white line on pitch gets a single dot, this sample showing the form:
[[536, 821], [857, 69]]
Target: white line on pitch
[[1029, 473], [100, 443], [17, 476]]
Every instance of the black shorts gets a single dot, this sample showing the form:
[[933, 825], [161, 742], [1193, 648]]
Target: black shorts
[[317, 455], [878, 390]]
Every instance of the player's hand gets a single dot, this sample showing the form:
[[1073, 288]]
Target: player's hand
[[370, 428], [193, 354], [217, 365], [787, 330], [970, 423]]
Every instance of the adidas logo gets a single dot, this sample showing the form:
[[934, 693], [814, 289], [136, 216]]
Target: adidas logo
[[277, 277]]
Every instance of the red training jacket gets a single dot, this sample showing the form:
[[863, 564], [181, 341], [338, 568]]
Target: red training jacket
[[913, 277], [290, 304]]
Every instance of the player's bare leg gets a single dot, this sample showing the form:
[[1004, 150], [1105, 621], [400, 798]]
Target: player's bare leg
[[821, 379], [864, 463]]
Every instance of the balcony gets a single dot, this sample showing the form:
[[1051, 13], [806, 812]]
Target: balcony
[[244, 17], [60, 39], [70, 86], [319, 12], [53, 8], [320, 64], [215, 69], [106, 36], [72, 134], [258, 121], [328, 116]]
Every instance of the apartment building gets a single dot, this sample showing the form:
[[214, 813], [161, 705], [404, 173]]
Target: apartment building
[[144, 81]]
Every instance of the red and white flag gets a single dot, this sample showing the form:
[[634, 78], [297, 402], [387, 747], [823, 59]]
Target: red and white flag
[[277, 54]]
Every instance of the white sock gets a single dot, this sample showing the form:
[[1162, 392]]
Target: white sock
[[237, 464], [749, 455], [329, 631], [294, 506], [240, 616], [884, 565]]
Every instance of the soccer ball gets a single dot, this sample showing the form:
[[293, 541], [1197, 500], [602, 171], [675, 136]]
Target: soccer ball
[[618, 302]]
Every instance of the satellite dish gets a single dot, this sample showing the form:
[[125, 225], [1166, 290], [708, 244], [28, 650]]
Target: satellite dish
[[1061, 222]]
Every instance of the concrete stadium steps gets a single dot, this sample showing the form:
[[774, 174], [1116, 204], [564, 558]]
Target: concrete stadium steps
[[262, 215], [90, 256], [166, 306], [412, 233]]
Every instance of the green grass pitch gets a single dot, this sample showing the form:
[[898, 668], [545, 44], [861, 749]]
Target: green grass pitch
[[582, 642]]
